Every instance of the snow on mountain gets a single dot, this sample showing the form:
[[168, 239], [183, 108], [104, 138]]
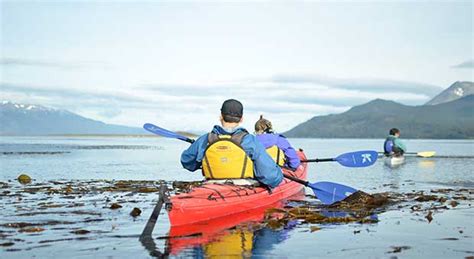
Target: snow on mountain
[[31, 119], [28, 107], [455, 91]]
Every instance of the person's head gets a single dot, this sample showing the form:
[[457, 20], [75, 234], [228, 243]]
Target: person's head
[[231, 112], [395, 132], [263, 126]]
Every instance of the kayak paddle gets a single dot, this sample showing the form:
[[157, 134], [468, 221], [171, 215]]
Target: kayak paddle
[[150, 225], [327, 192], [166, 133], [145, 238], [352, 159], [420, 154], [423, 154]]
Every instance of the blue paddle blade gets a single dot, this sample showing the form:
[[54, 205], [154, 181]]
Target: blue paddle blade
[[374, 217], [165, 133], [329, 193], [358, 159]]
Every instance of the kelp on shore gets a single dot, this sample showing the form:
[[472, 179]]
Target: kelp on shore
[[77, 210]]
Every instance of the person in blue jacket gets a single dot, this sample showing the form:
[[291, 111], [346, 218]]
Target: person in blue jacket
[[276, 144], [230, 152], [393, 146]]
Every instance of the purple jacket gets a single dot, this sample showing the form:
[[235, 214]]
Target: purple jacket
[[268, 140]]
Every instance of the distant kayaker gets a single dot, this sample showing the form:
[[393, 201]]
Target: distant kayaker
[[277, 146], [393, 146], [230, 152]]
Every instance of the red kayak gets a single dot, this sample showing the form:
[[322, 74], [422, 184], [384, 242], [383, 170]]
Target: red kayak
[[218, 231], [212, 200]]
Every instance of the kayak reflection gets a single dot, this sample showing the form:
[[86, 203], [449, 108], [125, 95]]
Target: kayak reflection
[[239, 235], [246, 234], [242, 241], [247, 239]]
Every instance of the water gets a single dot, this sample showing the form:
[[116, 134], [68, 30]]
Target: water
[[450, 234]]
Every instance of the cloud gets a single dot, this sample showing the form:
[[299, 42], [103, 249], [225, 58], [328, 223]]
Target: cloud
[[110, 113], [286, 100], [51, 64], [70, 93], [361, 84], [184, 110], [305, 90], [465, 64]]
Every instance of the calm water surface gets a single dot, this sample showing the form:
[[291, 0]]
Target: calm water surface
[[450, 234]]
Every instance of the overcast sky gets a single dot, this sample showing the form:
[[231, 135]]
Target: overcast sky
[[174, 63]]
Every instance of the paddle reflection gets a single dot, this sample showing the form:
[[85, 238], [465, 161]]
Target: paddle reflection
[[427, 164]]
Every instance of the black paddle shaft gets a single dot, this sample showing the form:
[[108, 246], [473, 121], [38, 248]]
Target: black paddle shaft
[[298, 180], [319, 160], [150, 225]]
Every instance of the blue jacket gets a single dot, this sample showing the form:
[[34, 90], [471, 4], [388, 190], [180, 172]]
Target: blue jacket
[[269, 140], [265, 169]]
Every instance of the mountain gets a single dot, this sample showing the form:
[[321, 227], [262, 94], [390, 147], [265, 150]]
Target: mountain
[[450, 120], [26, 119], [454, 92]]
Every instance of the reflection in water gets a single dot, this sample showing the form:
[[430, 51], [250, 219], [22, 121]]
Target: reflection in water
[[242, 241], [151, 247], [265, 239], [236, 243], [239, 235], [245, 240], [393, 162], [427, 164]]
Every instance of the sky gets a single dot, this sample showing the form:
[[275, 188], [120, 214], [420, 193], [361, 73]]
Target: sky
[[174, 63]]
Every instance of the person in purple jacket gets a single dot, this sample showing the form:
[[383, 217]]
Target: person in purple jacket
[[277, 146]]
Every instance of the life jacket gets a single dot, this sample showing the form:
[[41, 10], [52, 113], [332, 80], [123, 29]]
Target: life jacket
[[224, 157], [388, 145], [277, 155]]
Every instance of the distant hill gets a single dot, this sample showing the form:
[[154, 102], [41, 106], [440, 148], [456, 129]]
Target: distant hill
[[26, 119], [454, 92], [450, 120]]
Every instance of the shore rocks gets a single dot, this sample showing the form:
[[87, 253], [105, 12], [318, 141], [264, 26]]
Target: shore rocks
[[24, 179], [31, 230], [115, 206], [136, 212], [80, 232]]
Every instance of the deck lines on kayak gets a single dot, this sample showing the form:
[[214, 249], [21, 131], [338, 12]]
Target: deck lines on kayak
[[228, 191], [216, 191]]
